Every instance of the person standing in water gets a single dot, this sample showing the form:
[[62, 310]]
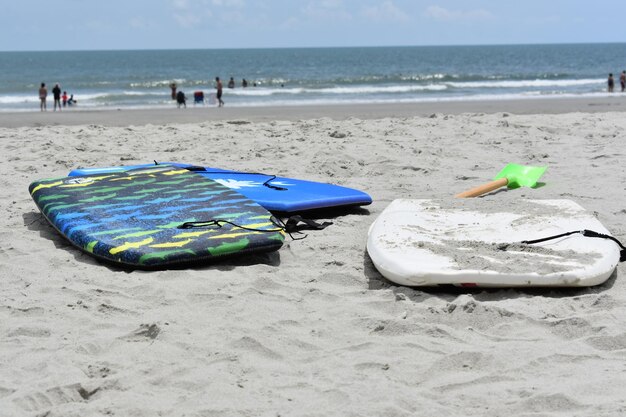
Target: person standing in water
[[610, 83], [219, 87], [622, 80], [173, 88], [43, 95], [56, 93]]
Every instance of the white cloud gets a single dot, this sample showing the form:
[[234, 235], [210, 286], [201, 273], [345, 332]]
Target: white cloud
[[547, 20], [98, 25], [386, 11], [196, 5], [137, 23], [327, 9], [239, 4], [191, 13], [180, 4], [441, 13], [327, 4], [232, 17], [290, 23], [187, 20]]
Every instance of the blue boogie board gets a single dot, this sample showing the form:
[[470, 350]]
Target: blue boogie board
[[278, 194], [155, 217]]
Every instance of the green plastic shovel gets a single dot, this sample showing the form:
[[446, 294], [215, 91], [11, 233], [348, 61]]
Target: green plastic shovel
[[512, 176]]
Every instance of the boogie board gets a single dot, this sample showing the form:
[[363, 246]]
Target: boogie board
[[280, 194], [476, 242], [155, 217]]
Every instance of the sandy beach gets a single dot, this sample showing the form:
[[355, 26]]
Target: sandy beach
[[312, 329], [197, 114]]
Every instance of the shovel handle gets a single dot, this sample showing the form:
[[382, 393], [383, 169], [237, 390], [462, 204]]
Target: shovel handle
[[483, 189]]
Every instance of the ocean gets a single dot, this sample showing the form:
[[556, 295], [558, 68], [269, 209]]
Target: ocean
[[311, 76]]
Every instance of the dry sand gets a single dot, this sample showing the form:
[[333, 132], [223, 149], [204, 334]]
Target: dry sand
[[313, 329]]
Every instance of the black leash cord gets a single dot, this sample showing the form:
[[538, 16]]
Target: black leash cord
[[587, 233], [281, 227], [220, 222], [294, 225]]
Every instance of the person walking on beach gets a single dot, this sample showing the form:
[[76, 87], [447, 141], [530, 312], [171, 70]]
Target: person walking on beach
[[218, 86], [56, 93], [181, 100], [622, 80], [43, 95], [611, 83], [173, 88]]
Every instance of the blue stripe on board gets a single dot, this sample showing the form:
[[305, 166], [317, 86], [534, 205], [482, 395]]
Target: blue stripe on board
[[70, 216], [154, 216], [119, 217], [162, 200]]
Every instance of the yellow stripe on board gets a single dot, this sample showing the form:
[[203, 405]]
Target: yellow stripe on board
[[157, 169], [138, 176], [130, 245], [180, 171], [92, 180], [172, 244], [192, 234], [231, 235], [41, 186], [103, 177], [82, 184], [89, 246], [146, 172], [258, 225], [137, 234]]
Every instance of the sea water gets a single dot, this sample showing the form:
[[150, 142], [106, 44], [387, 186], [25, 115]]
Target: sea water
[[311, 76]]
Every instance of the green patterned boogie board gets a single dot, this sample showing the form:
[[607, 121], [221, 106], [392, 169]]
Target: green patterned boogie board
[[135, 218]]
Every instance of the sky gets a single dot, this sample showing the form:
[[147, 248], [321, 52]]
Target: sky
[[44, 25]]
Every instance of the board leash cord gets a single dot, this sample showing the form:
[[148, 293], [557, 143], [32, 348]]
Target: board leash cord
[[586, 233], [294, 224]]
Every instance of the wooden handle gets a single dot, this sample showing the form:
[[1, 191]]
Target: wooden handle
[[483, 189]]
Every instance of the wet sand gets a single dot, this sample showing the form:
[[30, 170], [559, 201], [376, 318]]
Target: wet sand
[[197, 114]]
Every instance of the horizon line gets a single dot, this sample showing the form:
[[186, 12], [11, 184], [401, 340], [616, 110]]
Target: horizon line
[[314, 47]]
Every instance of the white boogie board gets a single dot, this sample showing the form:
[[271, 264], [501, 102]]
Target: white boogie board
[[476, 242]]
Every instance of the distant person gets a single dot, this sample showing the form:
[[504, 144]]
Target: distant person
[[173, 88], [71, 101], [231, 83], [43, 96], [622, 80], [56, 93], [64, 98], [181, 100], [244, 83], [218, 86], [198, 97], [611, 83]]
